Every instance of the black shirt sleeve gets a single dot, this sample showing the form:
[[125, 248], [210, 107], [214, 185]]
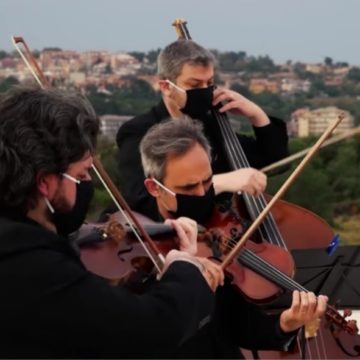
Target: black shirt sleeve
[[246, 324], [56, 309]]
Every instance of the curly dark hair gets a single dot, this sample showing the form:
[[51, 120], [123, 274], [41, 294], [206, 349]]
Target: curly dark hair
[[41, 132]]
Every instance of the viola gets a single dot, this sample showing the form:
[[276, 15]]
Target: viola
[[111, 250]]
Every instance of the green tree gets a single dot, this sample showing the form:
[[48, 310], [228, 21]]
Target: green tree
[[354, 74], [263, 64], [241, 89], [344, 172], [7, 83], [310, 190], [107, 153], [138, 55], [132, 99], [152, 55], [328, 61]]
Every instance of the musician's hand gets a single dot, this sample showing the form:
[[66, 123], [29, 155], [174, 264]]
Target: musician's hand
[[247, 180], [211, 272], [240, 105], [186, 230], [305, 308]]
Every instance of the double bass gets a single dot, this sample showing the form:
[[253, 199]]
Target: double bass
[[284, 225]]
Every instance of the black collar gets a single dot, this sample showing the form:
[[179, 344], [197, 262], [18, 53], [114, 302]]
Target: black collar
[[161, 112]]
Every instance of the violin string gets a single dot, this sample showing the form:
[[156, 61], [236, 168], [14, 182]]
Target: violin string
[[265, 268], [285, 282], [259, 265], [270, 271], [317, 348], [255, 204], [310, 349], [298, 341], [321, 337]]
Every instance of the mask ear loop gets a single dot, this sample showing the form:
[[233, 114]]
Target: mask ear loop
[[67, 176], [71, 178], [175, 86], [166, 189], [163, 187], [50, 207]]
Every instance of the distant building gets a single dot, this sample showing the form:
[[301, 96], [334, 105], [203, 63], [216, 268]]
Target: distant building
[[315, 68], [342, 71], [110, 124], [334, 81], [305, 122], [77, 77], [258, 86], [292, 86]]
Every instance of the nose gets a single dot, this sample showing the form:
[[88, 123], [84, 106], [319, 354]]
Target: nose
[[200, 190]]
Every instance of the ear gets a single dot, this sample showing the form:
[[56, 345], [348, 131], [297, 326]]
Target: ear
[[151, 187], [46, 184], [165, 87]]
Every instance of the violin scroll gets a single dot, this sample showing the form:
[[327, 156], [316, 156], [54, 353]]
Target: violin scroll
[[334, 317]]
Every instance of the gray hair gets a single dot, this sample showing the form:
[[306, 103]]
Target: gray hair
[[169, 138], [174, 56]]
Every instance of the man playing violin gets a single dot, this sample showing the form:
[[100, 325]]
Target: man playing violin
[[177, 165], [186, 82], [52, 306]]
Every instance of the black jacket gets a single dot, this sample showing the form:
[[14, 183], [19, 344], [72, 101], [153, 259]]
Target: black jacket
[[268, 146], [52, 307], [236, 323]]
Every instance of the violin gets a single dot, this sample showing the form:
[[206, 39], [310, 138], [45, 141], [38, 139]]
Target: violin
[[111, 251], [119, 255]]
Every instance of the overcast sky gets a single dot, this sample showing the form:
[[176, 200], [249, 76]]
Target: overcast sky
[[300, 30]]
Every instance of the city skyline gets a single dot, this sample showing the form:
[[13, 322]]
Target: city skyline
[[305, 31]]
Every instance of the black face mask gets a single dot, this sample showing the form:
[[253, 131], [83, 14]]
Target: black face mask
[[198, 102], [198, 208], [69, 222]]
